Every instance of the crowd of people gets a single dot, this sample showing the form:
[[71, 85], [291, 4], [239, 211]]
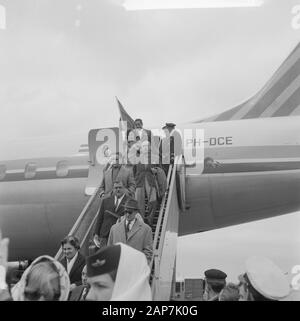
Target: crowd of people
[[102, 276], [131, 192], [143, 171], [120, 272], [122, 234]]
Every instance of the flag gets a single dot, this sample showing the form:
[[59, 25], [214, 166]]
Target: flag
[[125, 117], [124, 128]]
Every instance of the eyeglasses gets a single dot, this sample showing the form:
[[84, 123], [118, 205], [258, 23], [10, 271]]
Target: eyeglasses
[[129, 211]]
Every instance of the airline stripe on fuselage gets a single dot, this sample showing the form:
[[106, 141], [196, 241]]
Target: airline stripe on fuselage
[[233, 159], [253, 152], [228, 167], [253, 167]]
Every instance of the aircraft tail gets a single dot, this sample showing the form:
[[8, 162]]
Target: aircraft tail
[[279, 97]]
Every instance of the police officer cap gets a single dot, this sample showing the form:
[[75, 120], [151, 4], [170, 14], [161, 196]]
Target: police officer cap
[[170, 125], [104, 261], [215, 274], [267, 278]]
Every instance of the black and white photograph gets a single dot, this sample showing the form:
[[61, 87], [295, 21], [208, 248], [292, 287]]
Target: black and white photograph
[[150, 151]]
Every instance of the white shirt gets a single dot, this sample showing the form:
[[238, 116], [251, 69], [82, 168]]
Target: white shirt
[[71, 263], [118, 201], [142, 133], [130, 224]]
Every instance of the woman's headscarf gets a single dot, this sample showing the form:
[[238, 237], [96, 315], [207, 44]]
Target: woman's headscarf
[[64, 281], [132, 280]]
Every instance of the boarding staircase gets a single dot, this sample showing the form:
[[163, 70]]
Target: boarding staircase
[[163, 263], [84, 226], [165, 230]]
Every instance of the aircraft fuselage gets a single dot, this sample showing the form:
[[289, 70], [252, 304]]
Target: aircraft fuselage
[[258, 177]]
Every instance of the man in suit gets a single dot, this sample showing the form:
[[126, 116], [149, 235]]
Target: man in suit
[[133, 231], [116, 171], [81, 291], [106, 219], [73, 260], [145, 181], [139, 133]]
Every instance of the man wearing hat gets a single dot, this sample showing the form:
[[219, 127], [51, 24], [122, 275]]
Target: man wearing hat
[[132, 230], [215, 281], [171, 145], [263, 281]]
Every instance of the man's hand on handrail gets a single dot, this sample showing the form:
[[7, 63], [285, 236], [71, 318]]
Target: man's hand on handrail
[[112, 213]]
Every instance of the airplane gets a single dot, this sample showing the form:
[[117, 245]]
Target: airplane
[[254, 174]]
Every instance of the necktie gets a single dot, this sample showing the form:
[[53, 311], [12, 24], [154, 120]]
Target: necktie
[[127, 228], [84, 293], [118, 201], [115, 172]]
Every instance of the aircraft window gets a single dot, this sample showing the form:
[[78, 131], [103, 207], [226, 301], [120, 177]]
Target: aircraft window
[[62, 169], [30, 170], [2, 171]]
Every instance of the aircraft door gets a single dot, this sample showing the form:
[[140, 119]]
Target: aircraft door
[[180, 182], [103, 143]]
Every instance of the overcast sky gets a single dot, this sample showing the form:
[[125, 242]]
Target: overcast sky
[[63, 62]]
